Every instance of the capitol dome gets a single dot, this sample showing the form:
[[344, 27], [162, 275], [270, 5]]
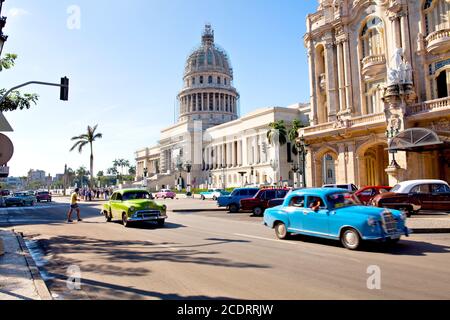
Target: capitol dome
[[208, 92]]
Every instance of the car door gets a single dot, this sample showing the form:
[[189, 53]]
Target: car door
[[268, 195], [440, 194], [295, 212], [422, 193], [114, 203], [315, 222]]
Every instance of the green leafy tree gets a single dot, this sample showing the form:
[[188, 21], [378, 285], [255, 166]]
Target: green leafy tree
[[132, 171], [294, 135], [84, 139], [15, 100]]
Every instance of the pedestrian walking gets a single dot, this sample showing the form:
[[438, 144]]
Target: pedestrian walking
[[74, 206]]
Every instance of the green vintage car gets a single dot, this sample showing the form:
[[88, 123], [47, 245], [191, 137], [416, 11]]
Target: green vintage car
[[134, 205]]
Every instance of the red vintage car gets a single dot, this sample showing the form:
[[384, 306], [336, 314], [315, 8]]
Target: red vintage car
[[260, 202], [366, 194]]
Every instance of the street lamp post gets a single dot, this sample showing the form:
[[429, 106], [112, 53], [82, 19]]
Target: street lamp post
[[144, 180], [303, 152], [295, 169], [252, 171], [188, 167], [224, 178]]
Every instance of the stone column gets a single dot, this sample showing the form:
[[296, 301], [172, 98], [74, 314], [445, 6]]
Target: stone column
[[341, 77], [351, 162], [348, 75], [233, 154], [312, 84], [229, 162], [396, 31], [341, 167], [405, 38], [330, 63], [240, 153]]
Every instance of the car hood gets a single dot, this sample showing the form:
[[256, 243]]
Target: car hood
[[366, 210], [142, 203]]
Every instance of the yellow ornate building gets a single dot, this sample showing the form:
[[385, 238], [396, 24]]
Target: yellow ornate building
[[380, 84]]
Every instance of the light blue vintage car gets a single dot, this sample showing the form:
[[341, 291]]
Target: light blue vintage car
[[335, 214]]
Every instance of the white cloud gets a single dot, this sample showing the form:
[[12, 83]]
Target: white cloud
[[17, 12]]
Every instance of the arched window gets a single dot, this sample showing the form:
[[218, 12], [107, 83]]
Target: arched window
[[193, 80], [210, 79], [201, 79], [218, 80], [372, 38], [436, 15]]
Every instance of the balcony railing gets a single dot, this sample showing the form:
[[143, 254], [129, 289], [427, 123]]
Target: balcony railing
[[373, 64], [377, 118], [4, 172], [438, 41], [428, 106], [367, 119]]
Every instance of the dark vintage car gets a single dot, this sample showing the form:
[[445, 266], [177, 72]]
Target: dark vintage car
[[415, 195]]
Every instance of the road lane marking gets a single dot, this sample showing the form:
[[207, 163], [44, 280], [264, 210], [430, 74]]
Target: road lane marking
[[262, 238]]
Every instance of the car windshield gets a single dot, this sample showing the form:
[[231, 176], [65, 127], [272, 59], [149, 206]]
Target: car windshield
[[19, 194], [136, 195], [395, 188], [341, 200]]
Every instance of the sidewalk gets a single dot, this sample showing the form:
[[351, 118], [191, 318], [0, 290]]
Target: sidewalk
[[430, 225], [19, 276]]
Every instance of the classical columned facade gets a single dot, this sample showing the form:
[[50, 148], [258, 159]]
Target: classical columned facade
[[377, 69]]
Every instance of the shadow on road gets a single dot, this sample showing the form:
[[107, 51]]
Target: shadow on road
[[404, 247]]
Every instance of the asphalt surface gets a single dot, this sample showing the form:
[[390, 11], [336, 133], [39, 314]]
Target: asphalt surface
[[211, 255]]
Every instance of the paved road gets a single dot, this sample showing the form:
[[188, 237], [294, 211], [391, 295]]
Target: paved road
[[217, 255]]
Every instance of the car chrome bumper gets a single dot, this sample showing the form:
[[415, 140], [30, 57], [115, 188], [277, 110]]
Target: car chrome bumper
[[393, 236], [144, 219]]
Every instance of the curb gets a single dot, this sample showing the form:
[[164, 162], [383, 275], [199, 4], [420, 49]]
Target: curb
[[41, 287], [430, 230]]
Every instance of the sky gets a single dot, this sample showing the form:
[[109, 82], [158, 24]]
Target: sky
[[125, 61]]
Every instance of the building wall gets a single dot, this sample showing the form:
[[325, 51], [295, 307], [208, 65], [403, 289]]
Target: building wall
[[356, 108]]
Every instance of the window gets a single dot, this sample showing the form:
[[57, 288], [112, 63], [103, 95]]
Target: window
[[372, 38], [297, 202], [420, 189], [225, 81], [114, 197], [269, 194], [218, 80], [313, 201], [136, 195], [368, 192], [193, 80], [201, 79], [281, 194], [210, 79], [119, 197], [440, 188], [252, 192]]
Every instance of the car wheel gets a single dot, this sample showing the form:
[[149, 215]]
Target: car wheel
[[161, 222], [281, 231], [108, 216], [233, 208], [350, 239], [203, 197], [214, 198], [258, 211], [38, 200], [125, 221]]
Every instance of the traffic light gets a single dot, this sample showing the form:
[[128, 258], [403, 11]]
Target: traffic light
[[64, 94]]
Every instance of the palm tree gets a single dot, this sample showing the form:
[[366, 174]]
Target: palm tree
[[83, 140], [122, 163], [293, 137], [277, 136]]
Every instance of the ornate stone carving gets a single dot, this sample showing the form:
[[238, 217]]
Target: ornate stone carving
[[400, 71], [441, 125], [341, 123]]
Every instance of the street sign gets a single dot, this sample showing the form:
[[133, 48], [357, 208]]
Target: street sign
[[4, 124]]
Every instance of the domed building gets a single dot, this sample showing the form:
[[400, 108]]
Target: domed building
[[208, 92], [220, 148]]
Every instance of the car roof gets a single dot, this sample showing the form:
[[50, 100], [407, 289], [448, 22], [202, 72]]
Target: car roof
[[316, 191], [123, 191], [406, 186]]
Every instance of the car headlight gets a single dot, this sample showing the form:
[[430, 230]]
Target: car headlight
[[132, 209], [372, 221]]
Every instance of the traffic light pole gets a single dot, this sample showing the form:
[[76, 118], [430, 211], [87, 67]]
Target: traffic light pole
[[30, 83]]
